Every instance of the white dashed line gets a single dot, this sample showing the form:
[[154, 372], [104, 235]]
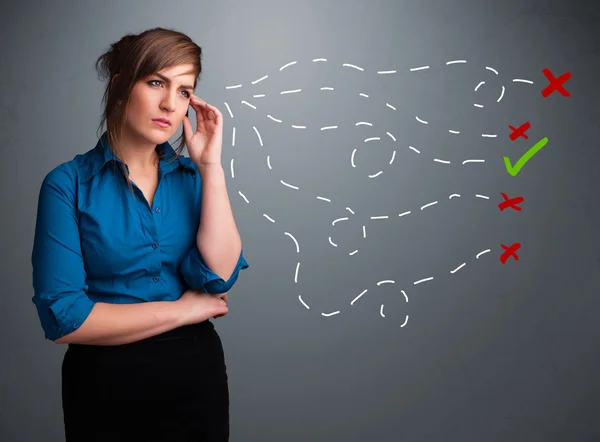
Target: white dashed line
[[229, 109], [248, 104], [260, 79], [428, 205], [287, 65], [358, 297], [258, 135], [333, 223], [289, 185], [374, 138], [295, 241], [352, 66], [458, 268], [331, 314], [303, 303], [501, 95]]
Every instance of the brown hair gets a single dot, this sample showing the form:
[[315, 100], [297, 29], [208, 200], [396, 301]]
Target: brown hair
[[133, 58]]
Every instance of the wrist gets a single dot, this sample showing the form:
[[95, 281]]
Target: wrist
[[206, 167], [212, 174], [177, 313]]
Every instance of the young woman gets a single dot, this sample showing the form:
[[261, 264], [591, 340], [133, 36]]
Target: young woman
[[135, 250]]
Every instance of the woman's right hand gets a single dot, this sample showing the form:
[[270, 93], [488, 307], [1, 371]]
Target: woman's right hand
[[197, 306]]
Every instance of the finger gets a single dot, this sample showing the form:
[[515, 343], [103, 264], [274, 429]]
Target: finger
[[217, 115], [206, 113], [199, 106], [198, 110], [198, 99], [196, 104], [206, 107]]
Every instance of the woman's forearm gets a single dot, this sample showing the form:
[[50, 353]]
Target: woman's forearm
[[117, 324], [218, 239]]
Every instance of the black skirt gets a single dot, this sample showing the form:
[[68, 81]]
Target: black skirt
[[170, 387]]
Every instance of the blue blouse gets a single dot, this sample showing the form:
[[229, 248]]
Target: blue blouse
[[97, 242]]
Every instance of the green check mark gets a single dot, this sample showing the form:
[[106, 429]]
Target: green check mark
[[514, 170]]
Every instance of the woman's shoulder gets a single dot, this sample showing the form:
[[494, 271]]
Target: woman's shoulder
[[68, 173]]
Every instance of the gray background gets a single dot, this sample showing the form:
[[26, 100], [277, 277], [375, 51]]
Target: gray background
[[489, 353]]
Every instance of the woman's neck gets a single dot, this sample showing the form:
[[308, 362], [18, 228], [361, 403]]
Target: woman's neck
[[137, 156]]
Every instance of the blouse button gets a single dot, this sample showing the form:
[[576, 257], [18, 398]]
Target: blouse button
[[157, 210], [155, 279], [154, 246]]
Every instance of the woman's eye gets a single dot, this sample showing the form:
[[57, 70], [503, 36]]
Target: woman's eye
[[187, 94], [154, 81]]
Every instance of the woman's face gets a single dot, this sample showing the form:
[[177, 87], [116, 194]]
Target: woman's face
[[158, 103]]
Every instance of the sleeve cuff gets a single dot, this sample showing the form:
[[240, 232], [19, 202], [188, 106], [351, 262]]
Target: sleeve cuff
[[199, 276], [64, 314]]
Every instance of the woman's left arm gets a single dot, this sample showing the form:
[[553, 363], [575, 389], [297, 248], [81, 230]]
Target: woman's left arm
[[218, 239]]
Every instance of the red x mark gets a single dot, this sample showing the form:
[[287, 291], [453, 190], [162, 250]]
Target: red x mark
[[510, 251], [520, 131], [555, 83], [512, 202]]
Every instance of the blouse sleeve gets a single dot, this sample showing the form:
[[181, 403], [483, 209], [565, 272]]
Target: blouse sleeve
[[59, 277], [199, 276]]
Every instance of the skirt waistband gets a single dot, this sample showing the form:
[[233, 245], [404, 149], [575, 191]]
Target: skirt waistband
[[191, 331]]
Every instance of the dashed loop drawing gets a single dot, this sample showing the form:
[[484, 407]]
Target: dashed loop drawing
[[503, 201]]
